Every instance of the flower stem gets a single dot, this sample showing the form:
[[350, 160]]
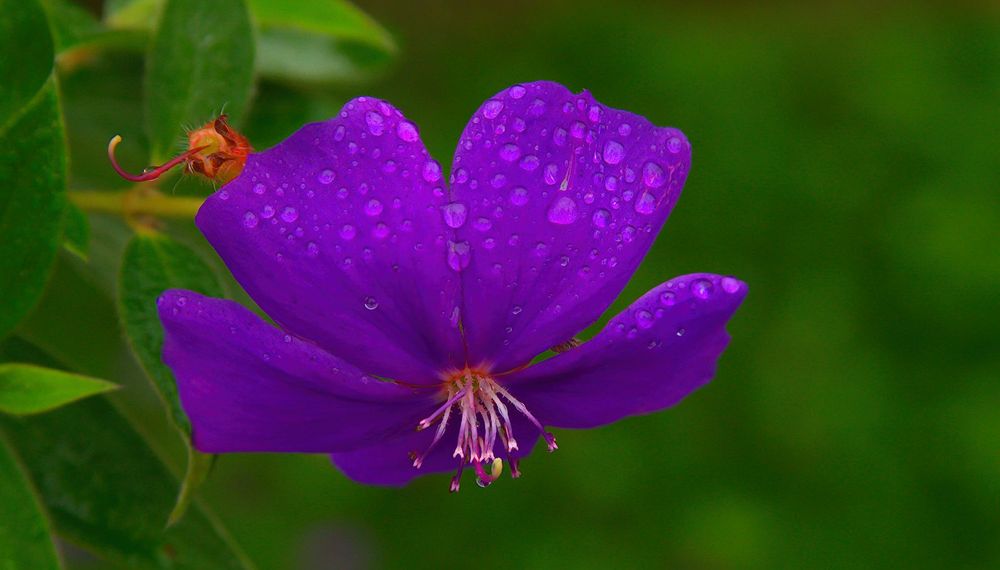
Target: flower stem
[[137, 203]]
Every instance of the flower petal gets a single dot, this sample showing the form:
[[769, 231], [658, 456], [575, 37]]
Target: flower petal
[[391, 462], [337, 234], [561, 198], [248, 386], [647, 358]]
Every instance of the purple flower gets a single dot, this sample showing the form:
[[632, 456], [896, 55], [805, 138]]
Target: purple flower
[[409, 309]]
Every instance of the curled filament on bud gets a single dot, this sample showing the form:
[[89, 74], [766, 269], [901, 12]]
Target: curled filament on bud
[[149, 173]]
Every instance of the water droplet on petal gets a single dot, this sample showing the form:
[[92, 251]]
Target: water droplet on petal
[[289, 214], [674, 145], [375, 122], [529, 163], [267, 212], [680, 332], [373, 207], [510, 152], [259, 188], [644, 319], [312, 249], [562, 211], [482, 224], [613, 152], [702, 288], [730, 285], [601, 218], [624, 129], [326, 176], [431, 171], [668, 298], [517, 91], [371, 303], [516, 310], [407, 131], [454, 214], [646, 204], [492, 108], [224, 195], [348, 232], [250, 220], [519, 196], [459, 255], [652, 175]]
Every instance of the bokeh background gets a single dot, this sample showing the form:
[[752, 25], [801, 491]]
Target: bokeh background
[[846, 166]]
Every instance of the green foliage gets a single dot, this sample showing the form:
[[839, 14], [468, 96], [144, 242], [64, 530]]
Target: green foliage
[[33, 164], [152, 264], [76, 232], [25, 541], [106, 490], [200, 63], [30, 389], [333, 18]]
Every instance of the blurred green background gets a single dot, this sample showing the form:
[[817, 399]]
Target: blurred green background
[[845, 165]]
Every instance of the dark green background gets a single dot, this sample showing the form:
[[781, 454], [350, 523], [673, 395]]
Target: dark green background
[[846, 166]]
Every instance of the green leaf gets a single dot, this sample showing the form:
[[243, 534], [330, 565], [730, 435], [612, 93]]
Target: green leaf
[[74, 28], [296, 57], [29, 389], [333, 18], [32, 201], [134, 14], [76, 232], [200, 62], [151, 265], [107, 491], [24, 30], [25, 540]]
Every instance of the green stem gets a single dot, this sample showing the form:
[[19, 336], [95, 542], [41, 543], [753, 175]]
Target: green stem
[[131, 203]]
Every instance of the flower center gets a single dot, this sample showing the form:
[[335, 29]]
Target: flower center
[[479, 401]]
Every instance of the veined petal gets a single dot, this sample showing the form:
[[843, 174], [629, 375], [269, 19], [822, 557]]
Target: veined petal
[[248, 386], [337, 234], [647, 358], [562, 197]]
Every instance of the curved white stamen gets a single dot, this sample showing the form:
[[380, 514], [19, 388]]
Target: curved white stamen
[[480, 399]]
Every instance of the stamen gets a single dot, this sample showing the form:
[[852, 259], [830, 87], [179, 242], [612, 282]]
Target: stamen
[[148, 174], [550, 439], [478, 397]]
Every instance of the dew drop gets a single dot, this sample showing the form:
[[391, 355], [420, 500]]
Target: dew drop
[[702, 288], [459, 255], [601, 218], [498, 181], [259, 188], [375, 122], [680, 332], [267, 212], [510, 152], [611, 183], [730, 285], [312, 249], [624, 129], [224, 195], [519, 196], [559, 136], [431, 171], [407, 131], [326, 176], [563, 211], [674, 145], [644, 319], [516, 310], [652, 175], [289, 214], [529, 163], [482, 224], [551, 174], [613, 152], [339, 132], [492, 108], [646, 203], [371, 303], [517, 91], [380, 231], [454, 214], [250, 220], [373, 207], [347, 232], [668, 298]]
